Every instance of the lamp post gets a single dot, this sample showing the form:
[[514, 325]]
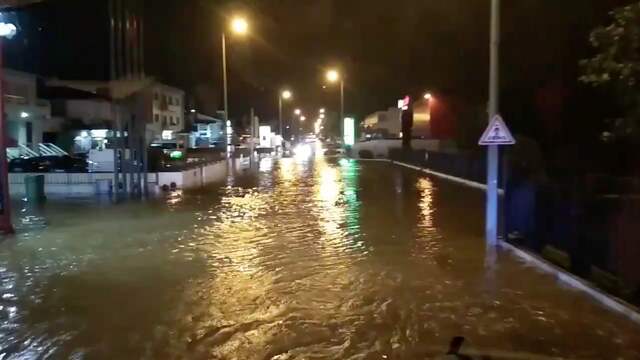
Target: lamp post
[[333, 76], [7, 30], [239, 26], [492, 155], [286, 95]]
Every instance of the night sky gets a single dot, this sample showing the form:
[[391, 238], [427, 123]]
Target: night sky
[[386, 48]]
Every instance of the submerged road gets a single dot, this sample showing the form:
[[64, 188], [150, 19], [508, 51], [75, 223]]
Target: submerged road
[[299, 258]]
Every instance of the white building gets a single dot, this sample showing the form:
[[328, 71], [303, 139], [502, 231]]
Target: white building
[[25, 113], [167, 109], [160, 107], [386, 124]]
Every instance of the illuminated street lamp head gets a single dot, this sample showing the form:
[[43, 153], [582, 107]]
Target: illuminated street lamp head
[[333, 75], [239, 26], [322, 116], [303, 118], [297, 111], [322, 111], [286, 94], [427, 96]]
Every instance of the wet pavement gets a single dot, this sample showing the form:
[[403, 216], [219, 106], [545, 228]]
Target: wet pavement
[[298, 258]]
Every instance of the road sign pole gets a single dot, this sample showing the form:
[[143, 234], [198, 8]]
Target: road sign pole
[[492, 150]]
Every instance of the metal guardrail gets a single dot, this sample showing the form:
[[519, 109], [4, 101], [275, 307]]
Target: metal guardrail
[[51, 149], [46, 149]]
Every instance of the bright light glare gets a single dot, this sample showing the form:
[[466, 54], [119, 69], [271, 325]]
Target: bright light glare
[[7, 30], [349, 131], [322, 111], [427, 96], [297, 111], [302, 151], [24, 115], [303, 118], [333, 75], [239, 26], [286, 94]]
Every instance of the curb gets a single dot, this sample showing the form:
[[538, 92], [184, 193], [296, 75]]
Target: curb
[[606, 300]]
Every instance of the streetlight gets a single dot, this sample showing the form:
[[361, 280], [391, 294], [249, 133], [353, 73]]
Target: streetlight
[[297, 112], [7, 30], [284, 95], [322, 116], [333, 76], [322, 111], [303, 118], [427, 96], [238, 26]]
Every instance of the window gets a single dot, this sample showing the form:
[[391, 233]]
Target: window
[[164, 120], [178, 120], [170, 100], [171, 120], [156, 118], [178, 101], [155, 96], [29, 130]]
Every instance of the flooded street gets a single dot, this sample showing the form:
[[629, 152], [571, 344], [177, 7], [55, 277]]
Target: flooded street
[[299, 258]]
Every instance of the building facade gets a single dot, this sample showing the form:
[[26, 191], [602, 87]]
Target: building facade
[[383, 124], [157, 108], [25, 113], [167, 110]]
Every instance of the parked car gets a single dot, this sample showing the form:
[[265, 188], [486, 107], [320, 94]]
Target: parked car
[[65, 163], [32, 164], [333, 149], [49, 163]]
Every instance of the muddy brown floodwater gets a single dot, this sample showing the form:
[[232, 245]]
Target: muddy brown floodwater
[[298, 258]]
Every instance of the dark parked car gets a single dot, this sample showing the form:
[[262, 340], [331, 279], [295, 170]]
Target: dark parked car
[[64, 163], [32, 164]]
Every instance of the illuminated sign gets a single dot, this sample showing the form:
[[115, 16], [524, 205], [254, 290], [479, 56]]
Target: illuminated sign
[[167, 134], [265, 135], [349, 131], [404, 103]]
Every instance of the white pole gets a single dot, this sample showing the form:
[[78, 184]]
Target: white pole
[[492, 151], [224, 79]]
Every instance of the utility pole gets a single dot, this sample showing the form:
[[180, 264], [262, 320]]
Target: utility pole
[[252, 116], [341, 121], [5, 198], [492, 150], [224, 79], [280, 115]]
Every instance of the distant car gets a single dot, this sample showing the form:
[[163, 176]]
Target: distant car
[[333, 149]]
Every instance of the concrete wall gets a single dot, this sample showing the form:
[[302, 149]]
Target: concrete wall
[[65, 184], [380, 148], [195, 177], [60, 183]]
